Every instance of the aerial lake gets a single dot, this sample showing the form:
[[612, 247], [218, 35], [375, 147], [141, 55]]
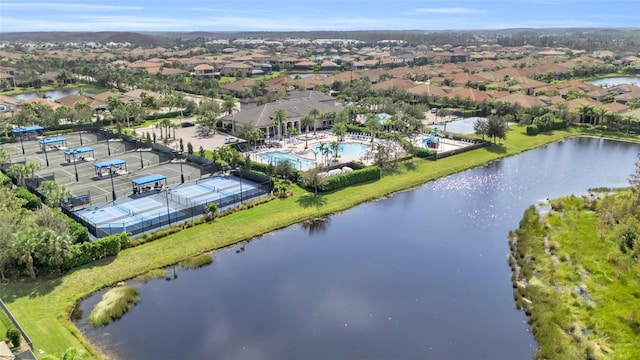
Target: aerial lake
[[614, 81], [51, 95], [422, 274]]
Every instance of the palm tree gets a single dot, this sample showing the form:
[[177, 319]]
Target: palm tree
[[335, 147], [54, 249], [599, 114], [340, 129], [18, 172], [323, 148], [54, 193], [279, 117], [33, 167], [314, 113], [372, 123], [627, 119], [585, 111], [229, 105], [23, 249], [306, 122], [4, 156]]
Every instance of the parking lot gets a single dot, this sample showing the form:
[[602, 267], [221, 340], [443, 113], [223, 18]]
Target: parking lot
[[189, 134]]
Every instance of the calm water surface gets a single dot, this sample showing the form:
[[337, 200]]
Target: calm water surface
[[422, 274], [607, 82], [51, 95]]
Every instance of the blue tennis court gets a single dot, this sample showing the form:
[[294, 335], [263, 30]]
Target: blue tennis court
[[147, 212], [103, 214]]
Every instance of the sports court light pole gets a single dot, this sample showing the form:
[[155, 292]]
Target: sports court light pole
[[181, 173], [21, 142], [141, 163], [75, 167], [113, 189], [46, 157], [108, 147], [166, 195], [80, 133], [240, 173]]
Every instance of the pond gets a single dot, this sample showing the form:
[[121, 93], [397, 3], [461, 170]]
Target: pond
[[614, 81], [421, 274], [51, 95]]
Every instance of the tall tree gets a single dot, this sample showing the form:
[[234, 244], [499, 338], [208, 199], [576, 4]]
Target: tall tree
[[314, 113], [54, 193], [373, 124], [279, 117], [306, 122]]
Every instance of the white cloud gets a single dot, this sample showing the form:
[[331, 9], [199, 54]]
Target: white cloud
[[65, 6], [455, 10]]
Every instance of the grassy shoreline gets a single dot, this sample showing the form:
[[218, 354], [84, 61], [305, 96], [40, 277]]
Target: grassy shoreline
[[43, 307], [579, 291]]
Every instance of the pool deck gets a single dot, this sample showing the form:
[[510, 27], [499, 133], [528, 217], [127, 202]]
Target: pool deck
[[296, 146]]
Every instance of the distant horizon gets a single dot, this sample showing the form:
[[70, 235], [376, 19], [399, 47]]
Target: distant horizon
[[329, 15]]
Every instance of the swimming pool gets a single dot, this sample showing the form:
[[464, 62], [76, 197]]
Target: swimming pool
[[348, 149], [464, 126], [298, 162]]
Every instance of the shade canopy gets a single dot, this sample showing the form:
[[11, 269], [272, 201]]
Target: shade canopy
[[108, 164], [77, 151], [27, 129], [52, 140], [148, 179]]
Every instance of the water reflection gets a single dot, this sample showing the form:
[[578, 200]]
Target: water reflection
[[316, 226]]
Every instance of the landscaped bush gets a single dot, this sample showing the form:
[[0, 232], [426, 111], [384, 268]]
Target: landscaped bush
[[424, 153], [14, 336], [351, 178], [5, 180], [532, 130], [33, 201], [77, 231], [260, 167], [87, 252]]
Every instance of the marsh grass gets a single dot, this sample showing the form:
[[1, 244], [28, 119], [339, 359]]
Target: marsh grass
[[152, 274], [582, 307], [197, 261], [115, 303]]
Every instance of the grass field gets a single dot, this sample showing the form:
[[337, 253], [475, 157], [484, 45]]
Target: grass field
[[584, 292], [43, 307]]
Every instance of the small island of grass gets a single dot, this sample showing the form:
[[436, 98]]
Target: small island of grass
[[115, 303]]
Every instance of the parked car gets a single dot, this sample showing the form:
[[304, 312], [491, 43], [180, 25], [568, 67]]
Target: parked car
[[186, 124]]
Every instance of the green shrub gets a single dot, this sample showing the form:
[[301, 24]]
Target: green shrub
[[14, 336], [351, 178], [77, 231], [532, 130], [5, 180], [32, 201], [86, 252], [424, 153]]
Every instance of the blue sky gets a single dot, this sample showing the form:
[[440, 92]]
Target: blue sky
[[281, 15]]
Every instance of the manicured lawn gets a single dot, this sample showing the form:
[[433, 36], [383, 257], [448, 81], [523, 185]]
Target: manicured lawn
[[43, 307]]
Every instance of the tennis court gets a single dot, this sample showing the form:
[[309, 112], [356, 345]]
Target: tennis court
[[139, 214]]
